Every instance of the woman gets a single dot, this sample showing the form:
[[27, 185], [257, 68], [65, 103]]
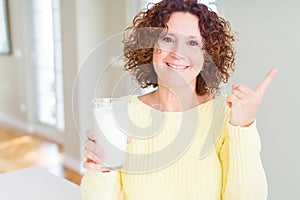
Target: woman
[[184, 51]]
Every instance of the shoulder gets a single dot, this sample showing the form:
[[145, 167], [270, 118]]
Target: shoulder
[[219, 102], [147, 98], [219, 110]]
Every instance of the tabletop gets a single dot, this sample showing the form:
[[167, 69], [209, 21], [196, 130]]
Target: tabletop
[[36, 183]]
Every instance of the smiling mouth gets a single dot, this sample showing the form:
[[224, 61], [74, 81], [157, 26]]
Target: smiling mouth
[[177, 66]]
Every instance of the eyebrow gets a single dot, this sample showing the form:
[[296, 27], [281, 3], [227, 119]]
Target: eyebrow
[[189, 36], [172, 34]]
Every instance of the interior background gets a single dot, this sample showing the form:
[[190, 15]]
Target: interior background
[[267, 34]]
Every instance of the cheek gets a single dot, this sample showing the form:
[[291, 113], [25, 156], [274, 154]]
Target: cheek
[[155, 57], [156, 61], [198, 61]]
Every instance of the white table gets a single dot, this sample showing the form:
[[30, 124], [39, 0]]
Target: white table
[[36, 183]]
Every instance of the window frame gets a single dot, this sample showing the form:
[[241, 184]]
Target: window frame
[[4, 16]]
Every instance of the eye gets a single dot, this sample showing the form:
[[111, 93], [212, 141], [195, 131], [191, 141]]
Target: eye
[[193, 43], [168, 39]]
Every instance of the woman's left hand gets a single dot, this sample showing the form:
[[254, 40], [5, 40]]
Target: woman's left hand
[[244, 102]]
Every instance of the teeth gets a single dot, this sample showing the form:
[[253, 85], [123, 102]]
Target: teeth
[[177, 66]]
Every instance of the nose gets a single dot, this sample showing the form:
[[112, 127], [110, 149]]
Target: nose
[[178, 51]]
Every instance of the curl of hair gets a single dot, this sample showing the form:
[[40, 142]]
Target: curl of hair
[[140, 39]]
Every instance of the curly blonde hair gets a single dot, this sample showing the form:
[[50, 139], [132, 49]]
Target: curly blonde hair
[[139, 44]]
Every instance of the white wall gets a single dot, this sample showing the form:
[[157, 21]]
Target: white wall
[[268, 33], [70, 62], [13, 68]]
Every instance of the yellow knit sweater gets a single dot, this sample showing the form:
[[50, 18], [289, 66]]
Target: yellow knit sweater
[[230, 170]]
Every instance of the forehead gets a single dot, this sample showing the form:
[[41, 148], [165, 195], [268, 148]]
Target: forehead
[[184, 23]]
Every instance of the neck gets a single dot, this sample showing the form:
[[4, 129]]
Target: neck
[[175, 100]]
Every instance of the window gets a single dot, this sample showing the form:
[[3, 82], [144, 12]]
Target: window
[[146, 2], [210, 3], [47, 62], [4, 31]]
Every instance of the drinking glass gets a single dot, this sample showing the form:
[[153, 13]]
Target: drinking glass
[[111, 139]]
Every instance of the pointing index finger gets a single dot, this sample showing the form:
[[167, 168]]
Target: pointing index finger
[[262, 87]]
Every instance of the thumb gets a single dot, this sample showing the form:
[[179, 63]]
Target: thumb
[[231, 99], [234, 86]]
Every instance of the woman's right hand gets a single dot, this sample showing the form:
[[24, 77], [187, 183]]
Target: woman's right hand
[[93, 153]]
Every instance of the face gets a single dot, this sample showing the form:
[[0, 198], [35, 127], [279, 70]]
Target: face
[[178, 56]]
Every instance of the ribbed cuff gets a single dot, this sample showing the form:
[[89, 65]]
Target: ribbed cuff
[[98, 185], [246, 138]]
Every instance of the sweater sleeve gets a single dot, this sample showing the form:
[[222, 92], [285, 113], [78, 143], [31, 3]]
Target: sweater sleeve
[[243, 173], [100, 185]]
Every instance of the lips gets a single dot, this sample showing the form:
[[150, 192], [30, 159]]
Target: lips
[[177, 67]]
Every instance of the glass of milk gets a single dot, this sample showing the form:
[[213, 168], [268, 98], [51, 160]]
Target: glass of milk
[[111, 138]]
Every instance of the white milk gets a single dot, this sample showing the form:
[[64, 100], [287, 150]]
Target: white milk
[[111, 140]]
